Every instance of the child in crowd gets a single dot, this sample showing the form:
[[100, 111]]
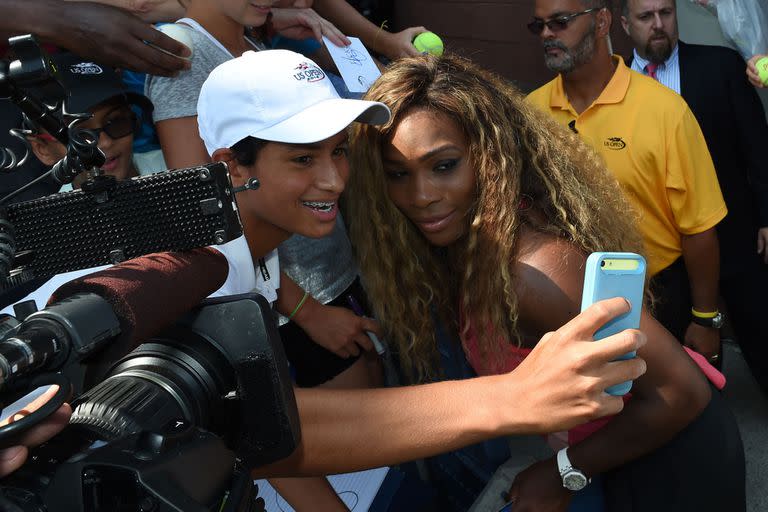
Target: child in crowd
[[97, 90], [324, 268], [475, 206], [288, 129]]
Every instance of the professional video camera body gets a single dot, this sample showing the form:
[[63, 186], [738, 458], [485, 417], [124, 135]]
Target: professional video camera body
[[174, 426]]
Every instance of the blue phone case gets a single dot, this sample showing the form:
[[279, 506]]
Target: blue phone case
[[615, 274]]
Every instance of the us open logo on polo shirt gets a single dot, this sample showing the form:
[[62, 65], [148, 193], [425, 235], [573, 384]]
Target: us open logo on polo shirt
[[85, 68], [614, 143], [308, 72]]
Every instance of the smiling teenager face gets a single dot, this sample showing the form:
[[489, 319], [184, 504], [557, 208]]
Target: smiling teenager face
[[429, 175], [299, 189]]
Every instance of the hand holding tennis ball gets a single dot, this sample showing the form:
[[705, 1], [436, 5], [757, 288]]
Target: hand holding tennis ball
[[762, 69], [429, 42], [757, 70]]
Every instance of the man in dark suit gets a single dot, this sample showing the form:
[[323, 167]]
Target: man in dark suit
[[711, 80]]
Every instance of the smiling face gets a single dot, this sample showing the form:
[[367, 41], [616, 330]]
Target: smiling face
[[567, 49], [429, 175], [652, 25], [118, 150], [117, 116], [300, 185]]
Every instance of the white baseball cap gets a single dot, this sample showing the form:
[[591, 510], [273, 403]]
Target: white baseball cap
[[279, 96]]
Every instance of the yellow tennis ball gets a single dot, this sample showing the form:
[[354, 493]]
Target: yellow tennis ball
[[429, 42], [762, 69]]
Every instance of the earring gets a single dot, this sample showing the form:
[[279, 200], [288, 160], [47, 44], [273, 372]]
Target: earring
[[525, 203]]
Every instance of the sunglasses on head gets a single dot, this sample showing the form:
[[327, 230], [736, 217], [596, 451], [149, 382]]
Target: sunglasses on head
[[557, 24], [117, 127]]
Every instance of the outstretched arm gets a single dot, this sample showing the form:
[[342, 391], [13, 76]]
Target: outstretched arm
[[559, 385], [351, 22]]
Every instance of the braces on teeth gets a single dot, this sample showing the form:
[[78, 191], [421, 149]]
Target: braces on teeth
[[323, 207]]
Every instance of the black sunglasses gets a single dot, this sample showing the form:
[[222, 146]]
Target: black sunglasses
[[117, 127], [557, 24]]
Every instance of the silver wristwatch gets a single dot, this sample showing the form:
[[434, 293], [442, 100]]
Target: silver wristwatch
[[573, 479]]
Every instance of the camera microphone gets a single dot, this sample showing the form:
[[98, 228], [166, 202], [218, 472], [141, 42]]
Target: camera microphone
[[150, 293]]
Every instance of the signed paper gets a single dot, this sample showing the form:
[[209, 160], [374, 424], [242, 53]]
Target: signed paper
[[355, 64]]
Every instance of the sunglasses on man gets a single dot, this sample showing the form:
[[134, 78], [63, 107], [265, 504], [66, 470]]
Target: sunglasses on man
[[557, 24]]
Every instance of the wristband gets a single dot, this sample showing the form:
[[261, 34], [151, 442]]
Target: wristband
[[704, 314], [298, 306]]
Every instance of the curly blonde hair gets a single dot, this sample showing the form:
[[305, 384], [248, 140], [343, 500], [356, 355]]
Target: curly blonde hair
[[516, 151]]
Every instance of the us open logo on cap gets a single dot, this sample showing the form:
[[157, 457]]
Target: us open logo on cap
[[309, 72], [85, 68]]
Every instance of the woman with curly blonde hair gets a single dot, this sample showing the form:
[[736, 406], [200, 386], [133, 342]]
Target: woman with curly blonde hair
[[471, 206]]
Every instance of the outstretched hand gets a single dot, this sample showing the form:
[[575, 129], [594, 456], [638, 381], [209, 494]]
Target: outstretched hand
[[400, 44], [561, 383], [13, 457], [118, 38]]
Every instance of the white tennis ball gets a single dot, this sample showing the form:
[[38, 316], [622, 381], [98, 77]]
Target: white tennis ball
[[179, 33]]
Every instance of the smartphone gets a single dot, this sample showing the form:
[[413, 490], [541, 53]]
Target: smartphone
[[615, 274]]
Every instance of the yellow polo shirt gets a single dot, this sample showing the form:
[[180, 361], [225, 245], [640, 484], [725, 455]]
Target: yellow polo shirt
[[652, 143]]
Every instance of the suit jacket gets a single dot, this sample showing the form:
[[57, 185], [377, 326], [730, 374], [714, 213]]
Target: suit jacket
[[731, 116]]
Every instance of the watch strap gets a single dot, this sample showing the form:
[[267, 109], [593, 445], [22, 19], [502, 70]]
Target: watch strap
[[563, 462]]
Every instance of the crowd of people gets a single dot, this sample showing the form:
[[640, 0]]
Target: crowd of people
[[447, 207]]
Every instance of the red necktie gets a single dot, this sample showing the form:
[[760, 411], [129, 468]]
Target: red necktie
[[650, 70]]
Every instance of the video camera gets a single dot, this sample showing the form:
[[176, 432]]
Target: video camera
[[107, 221], [174, 426]]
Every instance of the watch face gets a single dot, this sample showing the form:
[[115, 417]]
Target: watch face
[[717, 322], [574, 481]]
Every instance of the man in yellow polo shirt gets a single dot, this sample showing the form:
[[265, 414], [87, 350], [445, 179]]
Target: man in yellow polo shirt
[[652, 143]]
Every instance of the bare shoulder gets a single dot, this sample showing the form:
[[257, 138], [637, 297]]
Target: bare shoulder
[[549, 274]]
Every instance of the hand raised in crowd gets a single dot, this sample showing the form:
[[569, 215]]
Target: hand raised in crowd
[[400, 44], [337, 329], [762, 243], [305, 23], [563, 379], [12, 458], [116, 37], [754, 78]]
